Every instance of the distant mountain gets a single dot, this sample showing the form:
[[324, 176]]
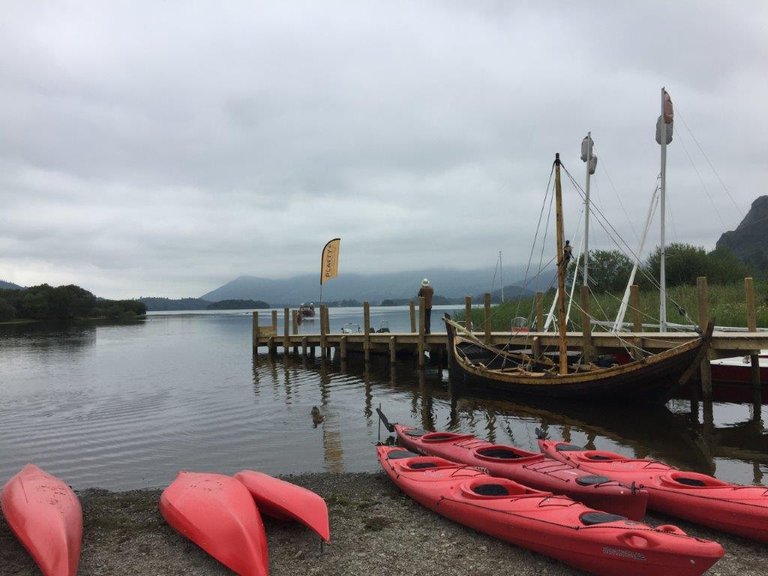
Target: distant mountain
[[747, 242], [373, 288], [9, 286]]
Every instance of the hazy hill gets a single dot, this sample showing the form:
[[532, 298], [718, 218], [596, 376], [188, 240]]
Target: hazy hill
[[747, 242], [9, 286], [373, 288]]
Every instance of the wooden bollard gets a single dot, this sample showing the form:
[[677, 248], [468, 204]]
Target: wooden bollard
[[705, 368], [586, 328], [422, 319], [487, 321], [286, 330], [468, 312], [343, 348], [539, 311], [757, 395]]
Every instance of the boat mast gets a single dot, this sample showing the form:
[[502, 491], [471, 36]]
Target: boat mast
[[501, 277], [663, 138], [561, 269], [591, 162]]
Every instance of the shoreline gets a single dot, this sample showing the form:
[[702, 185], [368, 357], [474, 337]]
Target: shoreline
[[375, 529]]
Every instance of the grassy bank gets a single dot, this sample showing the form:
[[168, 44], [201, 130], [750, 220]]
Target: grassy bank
[[727, 305]]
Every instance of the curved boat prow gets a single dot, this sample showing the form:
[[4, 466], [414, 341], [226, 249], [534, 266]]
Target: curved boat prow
[[217, 513], [285, 501], [46, 517]]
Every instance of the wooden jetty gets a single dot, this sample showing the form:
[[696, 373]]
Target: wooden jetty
[[416, 342]]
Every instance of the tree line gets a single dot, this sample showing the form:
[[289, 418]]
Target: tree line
[[609, 269], [64, 303]]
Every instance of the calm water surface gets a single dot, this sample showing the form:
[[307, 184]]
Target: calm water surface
[[123, 407]]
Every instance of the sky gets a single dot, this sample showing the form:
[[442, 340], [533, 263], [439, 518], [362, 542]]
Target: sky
[[165, 148]]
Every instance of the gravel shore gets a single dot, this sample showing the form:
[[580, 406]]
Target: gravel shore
[[375, 529]]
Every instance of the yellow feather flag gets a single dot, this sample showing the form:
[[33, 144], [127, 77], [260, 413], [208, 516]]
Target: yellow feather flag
[[329, 266]]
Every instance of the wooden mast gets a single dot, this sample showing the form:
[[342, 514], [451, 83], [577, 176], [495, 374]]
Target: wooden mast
[[561, 269]]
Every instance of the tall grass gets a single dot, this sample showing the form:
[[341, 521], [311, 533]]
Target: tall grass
[[727, 307]]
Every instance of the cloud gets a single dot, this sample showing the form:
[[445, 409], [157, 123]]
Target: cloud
[[166, 148]]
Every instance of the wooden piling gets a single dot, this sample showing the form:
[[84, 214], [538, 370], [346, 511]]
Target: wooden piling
[[422, 320], [392, 350], [413, 317], [323, 332], [367, 332], [757, 397], [255, 330], [705, 369], [295, 328], [468, 312], [586, 328], [304, 343], [487, 320], [286, 330], [343, 348], [634, 303], [539, 311]]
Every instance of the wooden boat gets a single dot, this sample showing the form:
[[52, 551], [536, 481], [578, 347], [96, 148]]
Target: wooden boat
[[286, 501], [650, 378], [529, 468], [556, 526], [217, 513], [46, 517], [700, 498], [738, 370]]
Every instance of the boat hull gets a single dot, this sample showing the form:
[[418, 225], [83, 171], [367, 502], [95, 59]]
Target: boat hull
[[45, 515], [529, 468], [286, 501], [653, 379], [699, 498], [217, 513], [556, 526]]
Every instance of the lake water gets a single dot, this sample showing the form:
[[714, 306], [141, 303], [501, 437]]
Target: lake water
[[123, 407]]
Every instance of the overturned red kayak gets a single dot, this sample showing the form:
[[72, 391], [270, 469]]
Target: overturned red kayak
[[46, 517], [700, 498], [530, 468], [218, 514], [599, 542], [285, 501]]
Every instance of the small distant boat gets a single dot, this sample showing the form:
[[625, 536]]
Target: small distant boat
[[530, 468], [556, 526], [46, 517], [692, 496], [218, 513], [306, 311], [286, 501]]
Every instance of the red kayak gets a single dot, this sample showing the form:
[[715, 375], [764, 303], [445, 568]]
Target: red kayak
[[598, 542], [530, 468], [46, 517], [218, 514], [700, 498], [285, 501]]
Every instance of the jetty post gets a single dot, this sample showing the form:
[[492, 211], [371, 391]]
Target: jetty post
[[757, 396], [273, 333], [295, 328], [255, 329], [586, 328], [413, 317], [422, 320], [487, 320], [367, 329], [468, 313], [539, 311], [286, 330], [323, 332], [705, 370]]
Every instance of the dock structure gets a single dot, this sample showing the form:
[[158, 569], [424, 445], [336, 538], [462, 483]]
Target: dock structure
[[416, 342]]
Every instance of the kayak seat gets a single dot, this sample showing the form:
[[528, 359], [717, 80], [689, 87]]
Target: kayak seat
[[498, 453], [396, 454], [490, 490], [689, 481], [422, 465], [591, 480], [416, 432], [568, 448], [595, 517]]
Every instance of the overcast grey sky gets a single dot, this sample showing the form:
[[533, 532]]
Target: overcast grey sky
[[165, 148]]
